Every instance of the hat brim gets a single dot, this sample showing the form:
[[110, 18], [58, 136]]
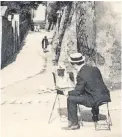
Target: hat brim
[[83, 59]]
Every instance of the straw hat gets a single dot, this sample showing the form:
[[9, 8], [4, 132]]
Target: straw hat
[[76, 58]]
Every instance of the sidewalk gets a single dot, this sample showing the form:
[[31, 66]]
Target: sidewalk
[[31, 119], [29, 61]]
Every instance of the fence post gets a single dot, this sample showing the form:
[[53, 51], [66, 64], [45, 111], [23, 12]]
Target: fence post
[[16, 33]]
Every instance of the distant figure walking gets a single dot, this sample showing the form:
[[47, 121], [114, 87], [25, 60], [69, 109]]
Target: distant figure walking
[[45, 43], [36, 28], [59, 15], [52, 20]]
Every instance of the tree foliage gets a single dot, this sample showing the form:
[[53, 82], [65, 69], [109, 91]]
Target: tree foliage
[[55, 6], [21, 7]]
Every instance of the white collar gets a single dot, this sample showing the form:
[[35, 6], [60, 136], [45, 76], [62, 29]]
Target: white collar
[[80, 67]]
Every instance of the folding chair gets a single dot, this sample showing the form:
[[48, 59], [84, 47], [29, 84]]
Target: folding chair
[[108, 117]]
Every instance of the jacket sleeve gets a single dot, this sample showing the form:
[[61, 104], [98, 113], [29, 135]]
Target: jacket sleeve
[[79, 88]]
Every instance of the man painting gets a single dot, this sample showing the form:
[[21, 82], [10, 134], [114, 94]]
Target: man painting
[[89, 91]]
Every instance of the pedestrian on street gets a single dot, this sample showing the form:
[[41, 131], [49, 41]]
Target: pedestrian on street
[[45, 43], [59, 15], [38, 28], [89, 91], [50, 21], [35, 28]]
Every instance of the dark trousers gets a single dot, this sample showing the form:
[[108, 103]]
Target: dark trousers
[[44, 46], [72, 102]]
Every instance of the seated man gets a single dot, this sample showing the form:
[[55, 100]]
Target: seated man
[[89, 91]]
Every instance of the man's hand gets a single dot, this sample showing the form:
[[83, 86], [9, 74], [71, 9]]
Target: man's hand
[[60, 92]]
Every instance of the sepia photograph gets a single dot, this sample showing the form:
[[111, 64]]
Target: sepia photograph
[[60, 68]]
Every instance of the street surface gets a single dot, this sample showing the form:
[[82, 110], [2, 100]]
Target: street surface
[[27, 94]]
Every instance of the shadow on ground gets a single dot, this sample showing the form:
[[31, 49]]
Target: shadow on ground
[[86, 115], [14, 56]]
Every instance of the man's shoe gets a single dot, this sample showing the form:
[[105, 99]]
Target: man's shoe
[[95, 118], [72, 127]]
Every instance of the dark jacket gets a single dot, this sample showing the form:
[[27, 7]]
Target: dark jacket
[[45, 43], [90, 83]]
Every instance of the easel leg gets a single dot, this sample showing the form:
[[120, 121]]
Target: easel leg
[[59, 108], [52, 108]]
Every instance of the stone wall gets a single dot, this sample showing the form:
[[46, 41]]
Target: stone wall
[[99, 37], [108, 39]]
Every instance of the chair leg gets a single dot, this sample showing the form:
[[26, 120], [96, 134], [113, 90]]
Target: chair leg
[[108, 120], [109, 117]]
